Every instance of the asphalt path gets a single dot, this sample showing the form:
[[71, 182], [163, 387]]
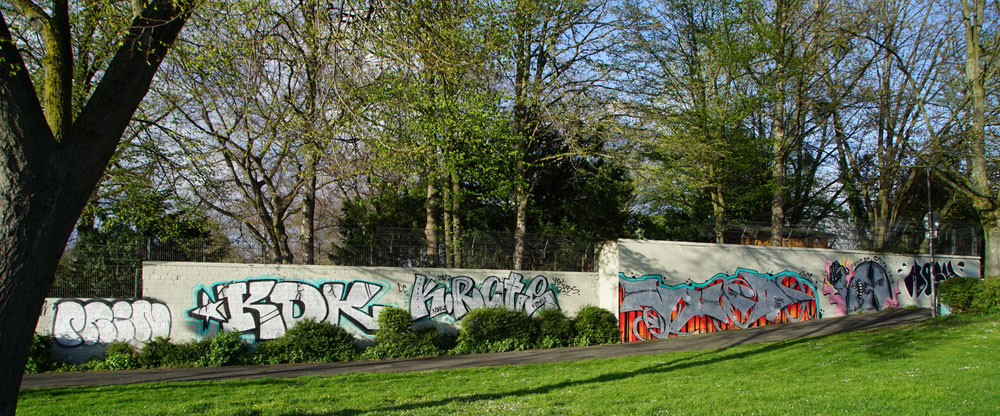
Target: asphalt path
[[771, 333]]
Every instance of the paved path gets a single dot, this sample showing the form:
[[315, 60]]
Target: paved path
[[820, 327]]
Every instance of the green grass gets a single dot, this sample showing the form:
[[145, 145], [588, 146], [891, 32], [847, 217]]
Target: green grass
[[947, 366]]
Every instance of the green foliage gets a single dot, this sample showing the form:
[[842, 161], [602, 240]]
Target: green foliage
[[39, 354], [134, 218], [160, 352], [595, 325], [227, 348], [495, 329], [394, 321], [120, 356], [308, 341], [958, 292], [396, 338], [420, 343], [554, 329], [987, 299]]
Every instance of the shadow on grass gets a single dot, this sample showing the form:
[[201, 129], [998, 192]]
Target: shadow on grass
[[704, 358], [904, 342]]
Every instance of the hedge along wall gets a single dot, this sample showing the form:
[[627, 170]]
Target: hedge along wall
[[674, 288], [188, 301]]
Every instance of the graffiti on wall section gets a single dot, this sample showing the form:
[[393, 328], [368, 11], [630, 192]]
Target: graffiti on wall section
[[78, 323], [861, 287], [918, 280], [457, 296], [266, 307], [650, 309]]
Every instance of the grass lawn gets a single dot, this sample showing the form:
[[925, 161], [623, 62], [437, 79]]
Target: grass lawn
[[948, 366]]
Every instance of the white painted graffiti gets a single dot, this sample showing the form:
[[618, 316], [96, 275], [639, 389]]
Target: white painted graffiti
[[459, 295], [87, 323], [266, 307]]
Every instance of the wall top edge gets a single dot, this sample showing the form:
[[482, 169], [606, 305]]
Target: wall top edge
[[427, 270], [624, 242]]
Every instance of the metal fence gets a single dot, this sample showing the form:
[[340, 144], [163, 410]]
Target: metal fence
[[115, 271]]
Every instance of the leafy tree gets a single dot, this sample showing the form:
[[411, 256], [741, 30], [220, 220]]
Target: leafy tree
[[52, 160], [133, 224]]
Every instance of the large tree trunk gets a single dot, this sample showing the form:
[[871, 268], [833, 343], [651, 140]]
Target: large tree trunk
[[982, 195], [45, 183]]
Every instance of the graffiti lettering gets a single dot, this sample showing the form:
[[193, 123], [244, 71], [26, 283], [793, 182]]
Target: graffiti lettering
[[429, 298], [87, 323], [864, 287], [650, 309], [918, 281], [265, 308]]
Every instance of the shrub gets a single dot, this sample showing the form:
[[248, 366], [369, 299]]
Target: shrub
[[160, 352], [495, 330], [394, 321], [119, 356], [227, 348], [987, 299], [595, 325], [421, 343], [554, 329], [308, 341], [958, 292], [39, 354], [395, 337]]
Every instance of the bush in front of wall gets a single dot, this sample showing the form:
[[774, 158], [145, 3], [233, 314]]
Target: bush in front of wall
[[160, 352], [958, 292], [554, 329], [595, 325], [120, 356], [308, 340], [396, 338], [987, 299], [495, 329], [394, 321], [39, 354], [227, 348]]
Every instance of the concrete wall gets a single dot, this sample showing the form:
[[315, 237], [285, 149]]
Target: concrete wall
[[675, 288], [190, 301], [657, 288]]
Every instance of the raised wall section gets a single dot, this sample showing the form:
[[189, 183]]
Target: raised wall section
[[674, 288]]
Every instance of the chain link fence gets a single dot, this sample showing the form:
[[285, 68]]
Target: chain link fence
[[115, 271]]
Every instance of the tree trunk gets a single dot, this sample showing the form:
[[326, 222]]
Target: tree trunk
[[981, 193], [45, 183], [309, 207], [778, 177], [430, 227], [456, 219], [718, 207], [449, 258], [991, 252], [520, 228]]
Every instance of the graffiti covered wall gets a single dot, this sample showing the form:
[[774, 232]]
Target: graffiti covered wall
[[675, 288], [659, 289], [651, 309], [263, 301]]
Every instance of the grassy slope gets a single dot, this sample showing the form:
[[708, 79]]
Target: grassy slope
[[944, 366]]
